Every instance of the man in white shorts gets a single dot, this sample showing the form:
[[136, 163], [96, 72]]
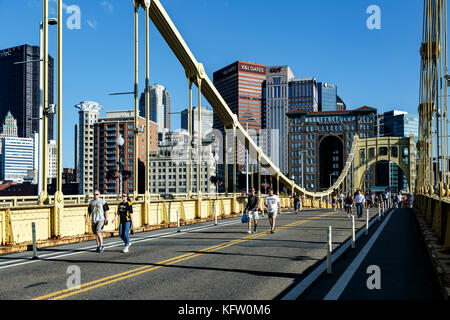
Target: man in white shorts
[[99, 210], [273, 207], [252, 211]]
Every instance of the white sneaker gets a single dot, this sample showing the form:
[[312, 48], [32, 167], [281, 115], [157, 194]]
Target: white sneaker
[[249, 231], [125, 250]]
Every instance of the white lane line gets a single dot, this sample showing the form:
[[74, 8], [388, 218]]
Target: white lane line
[[345, 278], [305, 283], [51, 256]]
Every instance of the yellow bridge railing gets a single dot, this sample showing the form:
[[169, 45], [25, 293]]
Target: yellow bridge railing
[[436, 212], [15, 222]]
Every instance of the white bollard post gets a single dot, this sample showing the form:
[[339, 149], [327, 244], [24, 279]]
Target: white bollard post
[[379, 214], [178, 222], [329, 250], [33, 230], [353, 232], [367, 222]]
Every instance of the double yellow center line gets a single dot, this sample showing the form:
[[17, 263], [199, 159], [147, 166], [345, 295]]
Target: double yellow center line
[[135, 272]]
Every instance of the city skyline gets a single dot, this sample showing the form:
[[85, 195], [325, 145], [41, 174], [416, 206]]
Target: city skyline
[[341, 50]]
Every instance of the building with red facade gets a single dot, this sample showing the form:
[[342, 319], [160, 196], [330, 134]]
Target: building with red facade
[[107, 152]]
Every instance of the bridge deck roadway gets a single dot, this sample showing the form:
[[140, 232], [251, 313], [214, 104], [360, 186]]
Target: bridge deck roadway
[[202, 262]]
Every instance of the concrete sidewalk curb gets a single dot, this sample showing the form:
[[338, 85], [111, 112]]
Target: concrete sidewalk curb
[[439, 258]]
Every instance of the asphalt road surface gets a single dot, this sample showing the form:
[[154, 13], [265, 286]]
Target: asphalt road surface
[[202, 262]]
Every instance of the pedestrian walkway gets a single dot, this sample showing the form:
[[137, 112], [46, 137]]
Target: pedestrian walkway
[[396, 250]]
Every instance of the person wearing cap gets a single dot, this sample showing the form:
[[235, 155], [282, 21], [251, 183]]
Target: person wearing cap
[[98, 208]]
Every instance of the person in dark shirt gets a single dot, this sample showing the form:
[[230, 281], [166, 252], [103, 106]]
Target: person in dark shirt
[[296, 202], [125, 212], [252, 211], [348, 204]]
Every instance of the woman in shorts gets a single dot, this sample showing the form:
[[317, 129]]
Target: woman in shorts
[[348, 203]]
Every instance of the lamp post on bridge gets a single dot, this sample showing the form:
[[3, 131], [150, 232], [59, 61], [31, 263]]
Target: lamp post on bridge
[[247, 155], [120, 141]]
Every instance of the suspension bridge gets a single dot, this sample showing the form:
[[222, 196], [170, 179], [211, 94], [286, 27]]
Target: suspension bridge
[[60, 219]]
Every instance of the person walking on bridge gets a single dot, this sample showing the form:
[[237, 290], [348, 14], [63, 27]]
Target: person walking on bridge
[[99, 210], [359, 201], [273, 207], [252, 211], [348, 204], [341, 200], [296, 202], [125, 212]]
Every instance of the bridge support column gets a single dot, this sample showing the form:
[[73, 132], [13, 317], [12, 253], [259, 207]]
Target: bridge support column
[[136, 104], [251, 177], [190, 139], [43, 196], [200, 138], [147, 114], [57, 215], [198, 207], [234, 160], [259, 172], [59, 197], [225, 160], [278, 184]]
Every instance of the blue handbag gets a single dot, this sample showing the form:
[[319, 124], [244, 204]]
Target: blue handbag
[[244, 218]]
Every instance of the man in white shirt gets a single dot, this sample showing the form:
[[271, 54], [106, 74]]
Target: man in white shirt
[[273, 207], [359, 201]]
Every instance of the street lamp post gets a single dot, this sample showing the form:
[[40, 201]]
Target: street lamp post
[[51, 21], [216, 160], [43, 100], [247, 155], [120, 141]]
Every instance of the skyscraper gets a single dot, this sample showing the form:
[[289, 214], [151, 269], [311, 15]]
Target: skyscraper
[[17, 158], [84, 145], [276, 105], [107, 153], [327, 96], [9, 127], [240, 85], [19, 88], [159, 111], [207, 119]]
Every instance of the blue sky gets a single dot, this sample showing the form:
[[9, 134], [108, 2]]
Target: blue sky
[[325, 39]]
